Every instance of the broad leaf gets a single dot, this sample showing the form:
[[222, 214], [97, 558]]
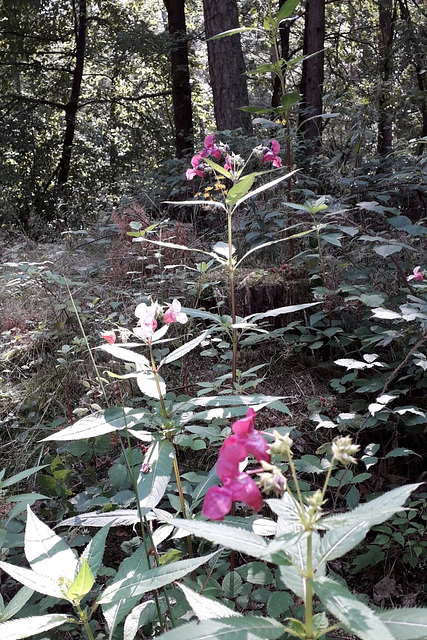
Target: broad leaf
[[240, 189], [127, 355], [146, 381], [405, 624], [287, 9], [155, 472], [231, 628], [356, 617], [99, 424], [292, 576], [206, 608], [218, 169], [30, 627], [264, 187], [16, 604], [142, 581], [139, 616], [46, 552], [337, 542], [33, 580], [230, 537]]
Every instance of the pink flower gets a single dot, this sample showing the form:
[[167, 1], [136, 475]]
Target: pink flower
[[109, 336], [270, 154], [237, 485], [198, 168], [147, 322], [417, 275], [210, 148], [174, 314]]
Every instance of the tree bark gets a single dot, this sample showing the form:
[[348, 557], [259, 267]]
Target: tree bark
[[181, 88], [80, 22], [226, 66], [385, 122], [284, 33], [311, 86]]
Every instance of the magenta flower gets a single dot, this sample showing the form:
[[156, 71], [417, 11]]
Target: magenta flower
[[270, 154], [198, 168], [236, 485], [210, 148], [416, 275], [109, 336], [174, 314]]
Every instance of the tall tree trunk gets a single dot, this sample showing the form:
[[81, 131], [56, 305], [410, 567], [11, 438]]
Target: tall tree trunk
[[284, 32], [419, 62], [181, 88], [226, 66], [80, 22], [311, 86], [385, 122]]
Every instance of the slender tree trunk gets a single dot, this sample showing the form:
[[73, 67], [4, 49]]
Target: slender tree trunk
[[385, 122], [181, 88], [284, 32], [80, 21], [226, 66], [312, 77]]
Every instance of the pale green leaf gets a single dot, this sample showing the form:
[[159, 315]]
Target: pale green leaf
[[116, 518], [33, 580], [127, 355], [271, 242], [218, 169], [287, 9], [152, 485], [272, 313], [82, 584], [16, 604], [337, 542], [30, 627], [184, 349], [240, 189], [21, 476], [231, 628], [140, 615], [233, 32], [206, 608], [147, 382], [357, 618], [405, 624], [94, 551], [264, 187], [99, 424], [46, 552]]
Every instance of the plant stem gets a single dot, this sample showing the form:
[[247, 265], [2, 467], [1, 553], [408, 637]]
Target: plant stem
[[308, 589], [328, 475], [233, 300], [85, 621]]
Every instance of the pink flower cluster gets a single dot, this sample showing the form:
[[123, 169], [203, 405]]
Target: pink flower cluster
[[270, 154], [147, 323], [236, 485], [416, 275]]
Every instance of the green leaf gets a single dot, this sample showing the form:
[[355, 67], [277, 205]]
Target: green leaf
[[142, 581], [99, 424], [46, 552], [405, 624], [232, 628], [257, 110], [206, 608], [262, 188], [147, 382], [356, 617], [16, 604], [211, 203], [152, 485], [141, 615], [218, 169], [240, 189], [29, 627], [233, 32], [21, 476], [290, 99], [386, 250], [287, 9], [230, 537], [256, 573], [373, 512], [337, 542], [184, 349], [291, 575], [272, 313], [271, 242], [94, 551], [82, 584]]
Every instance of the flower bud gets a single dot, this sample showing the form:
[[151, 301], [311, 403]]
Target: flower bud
[[343, 450], [282, 445]]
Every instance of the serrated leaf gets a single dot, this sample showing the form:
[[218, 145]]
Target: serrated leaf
[[16, 604], [356, 617], [33, 580], [29, 627], [116, 518], [94, 551], [47, 552], [231, 628], [337, 542], [142, 581], [141, 615], [206, 608], [127, 355], [230, 537], [240, 189], [82, 584], [184, 349], [152, 485], [99, 424], [405, 624]]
